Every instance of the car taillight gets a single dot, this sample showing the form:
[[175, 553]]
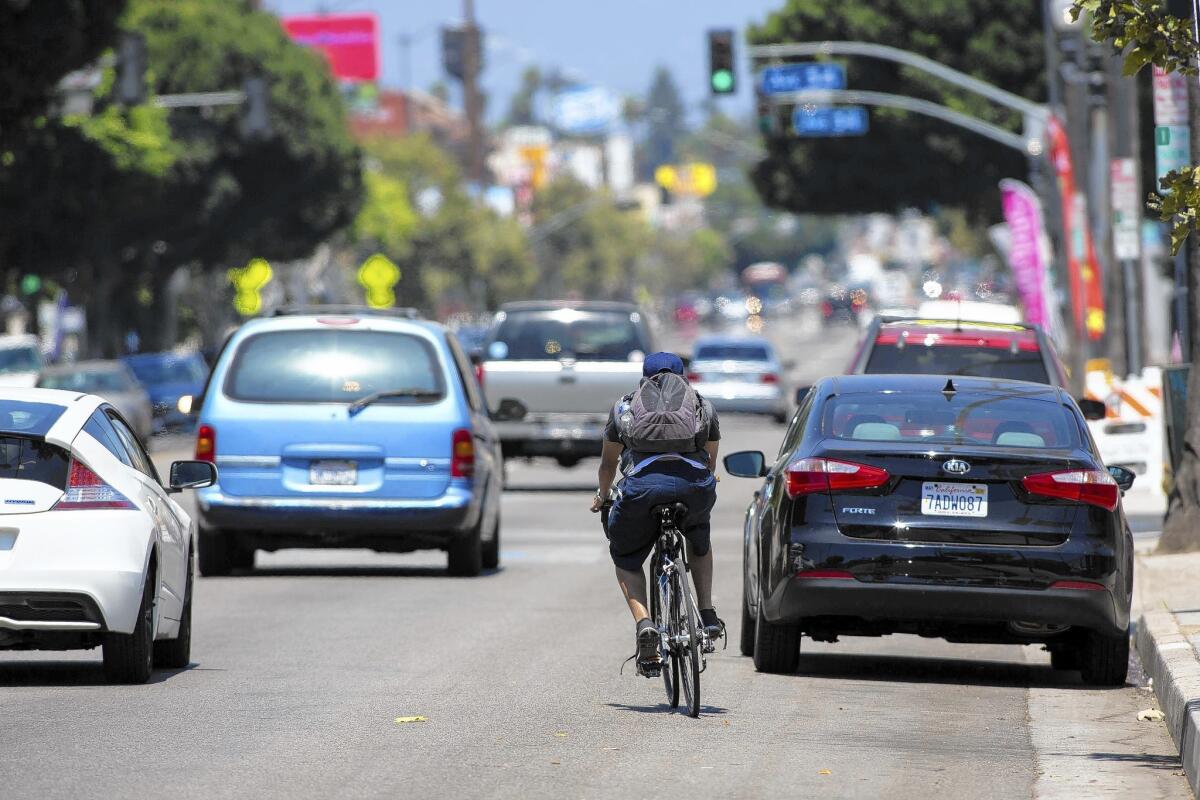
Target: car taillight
[[88, 491], [462, 454], [826, 308], [693, 377], [1092, 486], [206, 443], [1082, 586], [770, 377], [810, 475], [479, 374]]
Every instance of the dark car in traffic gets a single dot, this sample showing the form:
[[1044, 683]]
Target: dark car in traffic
[[167, 377], [970, 509]]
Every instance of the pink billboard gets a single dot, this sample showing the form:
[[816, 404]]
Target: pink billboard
[[350, 42], [1023, 213]]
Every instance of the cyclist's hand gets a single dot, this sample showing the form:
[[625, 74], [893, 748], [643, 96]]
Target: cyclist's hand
[[597, 504]]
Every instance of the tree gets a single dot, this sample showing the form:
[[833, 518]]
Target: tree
[[906, 159], [1148, 35], [666, 121], [43, 40]]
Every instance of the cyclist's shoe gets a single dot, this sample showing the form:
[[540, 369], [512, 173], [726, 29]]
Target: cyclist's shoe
[[714, 626], [649, 660]]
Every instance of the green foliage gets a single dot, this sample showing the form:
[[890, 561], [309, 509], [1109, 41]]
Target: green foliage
[[1179, 206], [386, 220], [906, 159], [666, 121], [138, 140], [1144, 31], [520, 107]]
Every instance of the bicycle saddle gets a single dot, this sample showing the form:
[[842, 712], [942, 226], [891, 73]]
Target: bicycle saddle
[[677, 510]]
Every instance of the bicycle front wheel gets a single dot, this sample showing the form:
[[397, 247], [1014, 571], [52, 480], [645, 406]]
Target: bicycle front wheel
[[687, 623], [670, 665]]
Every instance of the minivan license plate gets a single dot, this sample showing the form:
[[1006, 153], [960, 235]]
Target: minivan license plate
[[954, 499], [333, 473]]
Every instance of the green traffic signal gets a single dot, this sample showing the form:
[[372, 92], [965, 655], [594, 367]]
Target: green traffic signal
[[722, 81]]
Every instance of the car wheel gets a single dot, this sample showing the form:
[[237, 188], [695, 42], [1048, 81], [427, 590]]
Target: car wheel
[[746, 638], [215, 553], [465, 556], [567, 461], [240, 556], [177, 653], [781, 417], [128, 657], [1104, 660], [491, 550], [776, 647]]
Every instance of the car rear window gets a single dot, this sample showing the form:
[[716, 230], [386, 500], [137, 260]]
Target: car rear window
[[914, 356], [567, 333], [28, 419], [731, 352], [334, 366], [964, 418], [20, 359], [92, 382], [28, 459], [168, 369]]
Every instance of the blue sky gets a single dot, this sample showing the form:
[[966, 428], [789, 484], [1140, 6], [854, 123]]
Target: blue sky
[[616, 43]]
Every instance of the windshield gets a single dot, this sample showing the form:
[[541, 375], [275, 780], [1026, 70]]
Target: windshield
[[972, 419], [567, 333], [168, 370], [92, 382], [332, 366], [20, 359], [731, 352], [915, 358]]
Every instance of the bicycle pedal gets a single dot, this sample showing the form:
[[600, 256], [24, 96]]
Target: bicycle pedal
[[650, 670]]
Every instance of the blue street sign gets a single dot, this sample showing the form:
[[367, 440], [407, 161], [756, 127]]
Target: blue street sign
[[799, 77], [825, 121]]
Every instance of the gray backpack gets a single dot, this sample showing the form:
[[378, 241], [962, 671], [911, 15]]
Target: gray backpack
[[664, 415]]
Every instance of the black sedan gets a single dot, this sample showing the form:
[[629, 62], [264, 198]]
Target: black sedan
[[971, 509]]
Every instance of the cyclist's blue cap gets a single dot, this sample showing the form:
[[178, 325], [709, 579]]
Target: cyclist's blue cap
[[662, 362]]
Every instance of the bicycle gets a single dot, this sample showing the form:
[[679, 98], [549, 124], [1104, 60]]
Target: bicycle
[[684, 641]]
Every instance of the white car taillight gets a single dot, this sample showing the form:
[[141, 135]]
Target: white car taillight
[[88, 491]]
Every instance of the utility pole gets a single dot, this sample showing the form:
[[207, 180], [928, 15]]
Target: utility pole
[[1126, 283], [472, 100], [1075, 101]]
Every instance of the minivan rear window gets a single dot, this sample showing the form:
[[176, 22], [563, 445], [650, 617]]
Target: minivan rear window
[[962, 418], [731, 352], [917, 358], [334, 366]]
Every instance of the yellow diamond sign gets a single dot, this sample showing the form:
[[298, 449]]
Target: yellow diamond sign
[[248, 282], [378, 275]]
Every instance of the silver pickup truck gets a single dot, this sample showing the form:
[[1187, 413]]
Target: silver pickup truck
[[552, 370]]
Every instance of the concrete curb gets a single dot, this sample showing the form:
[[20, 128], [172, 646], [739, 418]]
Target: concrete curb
[[1168, 658]]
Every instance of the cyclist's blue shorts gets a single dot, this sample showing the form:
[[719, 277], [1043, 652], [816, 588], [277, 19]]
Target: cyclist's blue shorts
[[632, 531]]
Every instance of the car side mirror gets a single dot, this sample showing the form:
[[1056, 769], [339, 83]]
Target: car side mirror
[[802, 393], [192, 475], [746, 464], [1124, 477], [1092, 409]]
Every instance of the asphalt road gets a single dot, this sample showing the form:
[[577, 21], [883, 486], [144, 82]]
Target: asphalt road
[[302, 669]]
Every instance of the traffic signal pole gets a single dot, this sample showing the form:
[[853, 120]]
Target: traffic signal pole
[[472, 100]]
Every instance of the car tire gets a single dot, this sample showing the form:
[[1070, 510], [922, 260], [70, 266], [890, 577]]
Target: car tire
[[491, 550], [177, 653], [781, 417], [129, 657], [465, 556], [215, 553], [240, 556], [1104, 660], [567, 462], [776, 646], [746, 636]]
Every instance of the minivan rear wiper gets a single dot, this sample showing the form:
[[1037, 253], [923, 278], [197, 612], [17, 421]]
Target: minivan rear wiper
[[367, 399]]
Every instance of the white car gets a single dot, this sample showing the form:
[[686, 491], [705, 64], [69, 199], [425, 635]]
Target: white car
[[93, 549], [20, 360]]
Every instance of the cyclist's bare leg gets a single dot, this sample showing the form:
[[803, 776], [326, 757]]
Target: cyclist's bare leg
[[633, 586], [702, 572]]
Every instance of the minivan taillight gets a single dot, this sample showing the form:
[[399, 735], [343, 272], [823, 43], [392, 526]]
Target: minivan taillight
[[811, 475], [770, 377], [87, 491], [462, 454], [1092, 486], [206, 443]]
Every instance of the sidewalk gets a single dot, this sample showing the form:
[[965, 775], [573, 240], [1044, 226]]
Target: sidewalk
[[1166, 604]]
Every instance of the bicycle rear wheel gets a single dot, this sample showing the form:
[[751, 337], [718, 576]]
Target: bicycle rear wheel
[[687, 622], [670, 666]]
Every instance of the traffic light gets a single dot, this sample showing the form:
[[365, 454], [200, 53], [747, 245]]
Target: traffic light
[[455, 44], [256, 114], [721, 76], [131, 69]]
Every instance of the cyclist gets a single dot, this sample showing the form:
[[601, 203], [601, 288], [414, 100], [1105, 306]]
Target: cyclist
[[657, 468]]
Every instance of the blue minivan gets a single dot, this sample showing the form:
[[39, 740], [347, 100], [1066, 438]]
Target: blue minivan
[[347, 428]]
